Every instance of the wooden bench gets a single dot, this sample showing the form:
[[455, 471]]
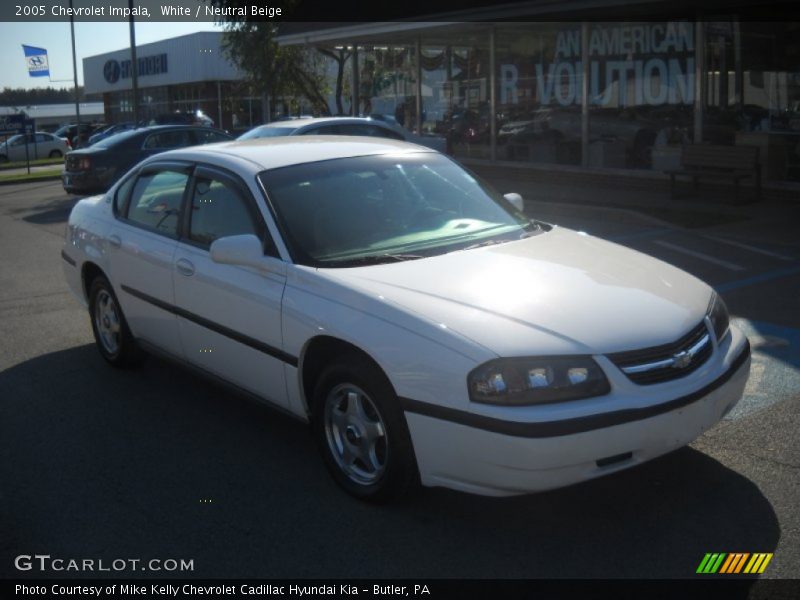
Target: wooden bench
[[718, 162]]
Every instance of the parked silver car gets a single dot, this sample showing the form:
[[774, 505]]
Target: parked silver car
[[361, 126], [40, 145]]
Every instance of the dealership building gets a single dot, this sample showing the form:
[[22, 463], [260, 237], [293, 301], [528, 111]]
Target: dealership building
[[521, 85], [526, 85], [185, 73]]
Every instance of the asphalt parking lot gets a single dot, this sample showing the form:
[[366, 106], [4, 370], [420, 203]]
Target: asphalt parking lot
[[157, 463]]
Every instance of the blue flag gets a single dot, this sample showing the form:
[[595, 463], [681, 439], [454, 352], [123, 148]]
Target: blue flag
[[37, 61]]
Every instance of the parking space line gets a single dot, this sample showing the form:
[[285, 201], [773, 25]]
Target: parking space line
[[776, 274], [638, 234], [712, 259], [749, 247]]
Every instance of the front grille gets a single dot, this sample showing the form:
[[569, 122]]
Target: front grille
[[663, 363]]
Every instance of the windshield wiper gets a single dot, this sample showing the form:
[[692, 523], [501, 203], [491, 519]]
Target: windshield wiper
[[375, 259], [484, 243]]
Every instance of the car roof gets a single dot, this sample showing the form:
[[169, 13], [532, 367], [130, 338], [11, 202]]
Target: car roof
[[274, 153], [303, 121]]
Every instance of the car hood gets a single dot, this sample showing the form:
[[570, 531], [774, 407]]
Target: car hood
[[555, 293]]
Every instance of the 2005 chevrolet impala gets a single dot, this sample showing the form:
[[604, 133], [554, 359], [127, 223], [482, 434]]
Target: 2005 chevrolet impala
[[425, 327]]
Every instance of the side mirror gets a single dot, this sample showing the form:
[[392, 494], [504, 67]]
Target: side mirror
[[516, 201], [244, 250]]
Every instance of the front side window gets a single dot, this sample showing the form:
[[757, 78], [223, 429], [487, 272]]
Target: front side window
[[156, 200], [219, 210], [324, 130], [261, 132], [209, 136], [366, 209]]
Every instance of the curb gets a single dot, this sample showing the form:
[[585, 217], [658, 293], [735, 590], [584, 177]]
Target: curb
[[33, 180]]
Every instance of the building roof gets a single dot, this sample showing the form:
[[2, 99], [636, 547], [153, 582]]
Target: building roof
[[51, 111]]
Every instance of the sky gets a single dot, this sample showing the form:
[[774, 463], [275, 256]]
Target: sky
[[90, 39]]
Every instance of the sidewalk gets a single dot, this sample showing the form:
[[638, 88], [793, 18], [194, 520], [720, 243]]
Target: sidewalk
[[647, 203]]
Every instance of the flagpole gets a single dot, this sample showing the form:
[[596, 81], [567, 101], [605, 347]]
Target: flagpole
[[75, 73], [134, 67]]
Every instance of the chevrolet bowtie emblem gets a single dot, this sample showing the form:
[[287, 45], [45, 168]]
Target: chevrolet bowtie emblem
[[681, 360]]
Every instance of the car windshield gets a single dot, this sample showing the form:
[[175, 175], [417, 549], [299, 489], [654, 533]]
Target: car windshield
[[115, 138], [372, 209], [263, 132]]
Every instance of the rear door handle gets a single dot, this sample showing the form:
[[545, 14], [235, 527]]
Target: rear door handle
[[114, 241], [184, 267]]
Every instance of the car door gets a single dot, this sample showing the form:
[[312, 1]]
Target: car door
[[44, 145], [229, 316], [141, 248]]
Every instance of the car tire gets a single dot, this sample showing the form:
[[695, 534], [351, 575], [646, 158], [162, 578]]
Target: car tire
[[111, 332], [56, 154], [361, 431]]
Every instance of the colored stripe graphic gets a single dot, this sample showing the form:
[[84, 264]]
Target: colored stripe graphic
[[758, 563], [734, 562], [711, 563]]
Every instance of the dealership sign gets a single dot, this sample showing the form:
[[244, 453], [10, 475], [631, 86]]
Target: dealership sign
[[115, 70], [630, 65]]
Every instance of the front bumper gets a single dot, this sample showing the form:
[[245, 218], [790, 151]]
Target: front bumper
[[503, 458]]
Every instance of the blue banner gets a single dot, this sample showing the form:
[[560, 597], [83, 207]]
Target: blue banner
[[37, 61]]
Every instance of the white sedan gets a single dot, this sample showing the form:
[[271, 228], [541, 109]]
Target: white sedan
[[426, 328], [39, 145]]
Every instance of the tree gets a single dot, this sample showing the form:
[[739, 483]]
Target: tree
[[340, 56], [276, 70]]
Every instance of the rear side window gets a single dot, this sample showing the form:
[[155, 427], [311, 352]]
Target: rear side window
[[122, 195], [168, 139], [156, 201]]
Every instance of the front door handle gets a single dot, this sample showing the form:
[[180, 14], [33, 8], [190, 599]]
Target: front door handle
[[184, 267], [114, 241]]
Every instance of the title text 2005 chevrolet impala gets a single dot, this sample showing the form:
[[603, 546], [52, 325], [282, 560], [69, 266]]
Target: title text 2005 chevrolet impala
[[425, 327]]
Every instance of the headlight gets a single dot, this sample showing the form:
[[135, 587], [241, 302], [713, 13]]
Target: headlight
[[536, 380], [718, 314]]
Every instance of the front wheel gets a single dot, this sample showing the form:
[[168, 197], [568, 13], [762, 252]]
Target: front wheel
[[361, 431], [111, 332]]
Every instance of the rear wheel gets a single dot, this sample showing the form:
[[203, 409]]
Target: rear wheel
[[56, 154], [111, 332], [362, 432]]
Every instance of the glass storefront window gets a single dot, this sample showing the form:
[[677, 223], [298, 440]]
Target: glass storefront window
[[641, 94], [538, 71], [753, 91], [387, 83], [456, 91]]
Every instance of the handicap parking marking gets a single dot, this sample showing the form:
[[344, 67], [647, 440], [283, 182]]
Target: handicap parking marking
[[749, 247], [702, 256], [775, 366], [640, 234], [761, 277]]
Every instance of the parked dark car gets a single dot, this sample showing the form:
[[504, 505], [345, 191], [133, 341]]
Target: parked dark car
[[70, 133], [106, 132], [95, 169], [184, 118]]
